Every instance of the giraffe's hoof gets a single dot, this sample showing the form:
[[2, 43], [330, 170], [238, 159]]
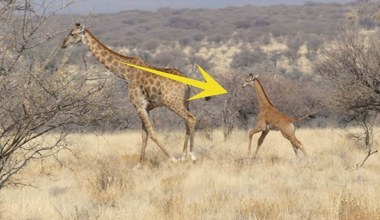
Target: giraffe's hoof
[[193, 157], [183, 158], [253, 156], [173, 159]]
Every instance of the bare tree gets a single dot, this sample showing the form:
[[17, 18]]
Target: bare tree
[[40, 98], [227, 120], [246, 58], [195, 60], [351, 69], [275, 56], [291, 55]]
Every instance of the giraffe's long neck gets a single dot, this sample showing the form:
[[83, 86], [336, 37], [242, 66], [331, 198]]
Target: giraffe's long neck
[[261, 94], [109, 58]]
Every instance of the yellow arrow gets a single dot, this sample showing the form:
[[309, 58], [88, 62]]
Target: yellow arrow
[[210, 87]]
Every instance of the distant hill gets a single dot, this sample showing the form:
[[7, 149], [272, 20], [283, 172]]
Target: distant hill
[[243, 24], [232, 37], [100, 6]]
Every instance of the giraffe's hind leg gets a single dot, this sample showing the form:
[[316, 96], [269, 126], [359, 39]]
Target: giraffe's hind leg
[[295, 148], [297, 145], [184, 152], [289, 134], [190, 120]]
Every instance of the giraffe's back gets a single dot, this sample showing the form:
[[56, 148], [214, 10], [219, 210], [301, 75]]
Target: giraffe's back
[[173, 71], [161, 91]]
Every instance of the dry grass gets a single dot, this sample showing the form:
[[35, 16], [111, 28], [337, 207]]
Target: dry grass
[[1, 210], [100, 183]]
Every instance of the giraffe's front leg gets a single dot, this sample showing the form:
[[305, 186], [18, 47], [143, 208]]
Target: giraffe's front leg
[[141, 107], [250, 135], [145, 137]]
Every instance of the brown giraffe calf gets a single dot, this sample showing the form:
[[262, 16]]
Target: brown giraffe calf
[[145, 90], [269, 118]]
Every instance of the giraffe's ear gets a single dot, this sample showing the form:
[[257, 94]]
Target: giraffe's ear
[[256, 76]]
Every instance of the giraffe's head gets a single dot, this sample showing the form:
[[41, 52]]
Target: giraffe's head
[[74, 36], [250, 79]]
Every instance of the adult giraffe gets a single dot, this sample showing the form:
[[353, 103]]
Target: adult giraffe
[[269, 118], [145, 90]]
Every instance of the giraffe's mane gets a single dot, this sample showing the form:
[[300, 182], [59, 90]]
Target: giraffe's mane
[[265, 92], [108, 49], [124, 57]]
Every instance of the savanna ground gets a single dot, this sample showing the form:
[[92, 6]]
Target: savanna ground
[[99, 182]]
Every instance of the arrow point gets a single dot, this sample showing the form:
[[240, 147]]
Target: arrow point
[[212, 87]]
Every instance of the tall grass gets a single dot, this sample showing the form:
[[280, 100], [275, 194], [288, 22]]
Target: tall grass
[[100, 183]]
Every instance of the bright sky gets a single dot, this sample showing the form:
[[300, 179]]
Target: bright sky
[[111, 6]]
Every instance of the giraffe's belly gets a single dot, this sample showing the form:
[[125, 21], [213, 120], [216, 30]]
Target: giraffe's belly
[[271, 127], [154, 101]]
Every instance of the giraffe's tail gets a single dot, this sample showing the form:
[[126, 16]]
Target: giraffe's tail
[[311, 116]]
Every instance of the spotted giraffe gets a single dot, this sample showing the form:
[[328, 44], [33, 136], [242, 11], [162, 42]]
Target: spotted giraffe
[[145, 90]]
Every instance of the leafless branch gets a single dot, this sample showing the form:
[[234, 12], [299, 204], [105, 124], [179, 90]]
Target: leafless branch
[[42, 100], [352, 71], [369, 153]]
